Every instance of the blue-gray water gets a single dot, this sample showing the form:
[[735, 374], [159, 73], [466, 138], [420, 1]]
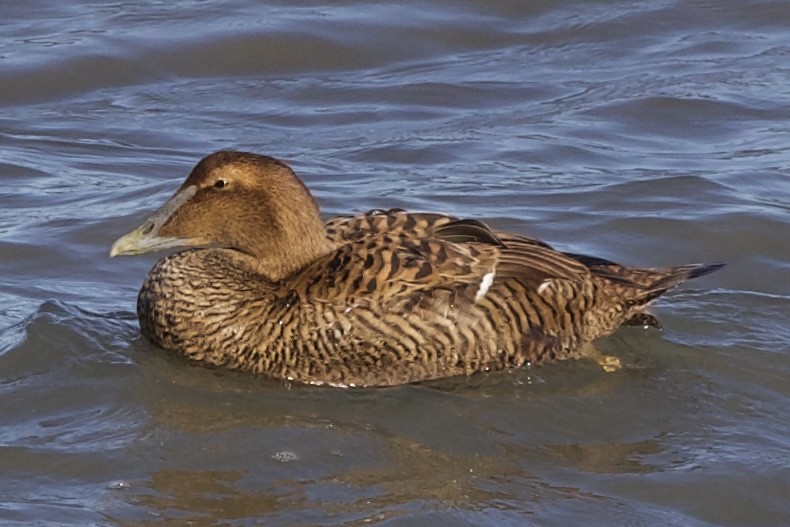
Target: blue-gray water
[[648, 132]]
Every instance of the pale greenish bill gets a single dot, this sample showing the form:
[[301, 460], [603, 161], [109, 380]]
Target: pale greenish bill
[[145, 239]]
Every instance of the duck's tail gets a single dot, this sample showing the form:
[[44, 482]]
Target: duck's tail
[[653, 280], [669, 277], [637, 288], [663, 279]]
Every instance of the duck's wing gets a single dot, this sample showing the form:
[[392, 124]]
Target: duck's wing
[[528, 260], [536, 263], [386, 254], [389, 253], [383, 267]]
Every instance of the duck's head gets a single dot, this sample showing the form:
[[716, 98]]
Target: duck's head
[[250, 203]]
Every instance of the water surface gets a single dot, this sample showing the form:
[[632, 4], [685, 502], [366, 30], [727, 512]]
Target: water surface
[[653, 133]]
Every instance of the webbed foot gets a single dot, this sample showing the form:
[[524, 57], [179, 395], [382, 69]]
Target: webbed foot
[[609, 363]]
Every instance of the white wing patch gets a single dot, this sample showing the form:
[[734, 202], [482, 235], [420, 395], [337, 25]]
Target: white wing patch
[[542, 287], [485, 285]]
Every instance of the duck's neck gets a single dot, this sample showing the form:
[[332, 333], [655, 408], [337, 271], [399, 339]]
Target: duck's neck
[[299, 239]]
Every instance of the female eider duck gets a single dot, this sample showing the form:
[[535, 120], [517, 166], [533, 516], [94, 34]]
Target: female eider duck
[[375, 299]]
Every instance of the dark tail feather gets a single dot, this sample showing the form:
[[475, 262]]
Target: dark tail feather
[[647, 279], [674, 276], [666, 279], [697, 270]]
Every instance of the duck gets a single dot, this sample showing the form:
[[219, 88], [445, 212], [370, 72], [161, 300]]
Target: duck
[[261, 283]]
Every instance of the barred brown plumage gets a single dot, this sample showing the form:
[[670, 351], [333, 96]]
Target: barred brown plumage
[[375, 299]]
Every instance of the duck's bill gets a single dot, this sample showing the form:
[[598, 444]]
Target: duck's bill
[[145, 238], [138, 242]]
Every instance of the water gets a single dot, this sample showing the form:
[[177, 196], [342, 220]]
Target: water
[[648, 132]]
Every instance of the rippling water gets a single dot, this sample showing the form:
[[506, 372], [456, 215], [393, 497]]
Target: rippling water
[[650, 132]]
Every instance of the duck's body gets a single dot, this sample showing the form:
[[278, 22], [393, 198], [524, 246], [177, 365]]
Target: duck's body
[[377, 299]]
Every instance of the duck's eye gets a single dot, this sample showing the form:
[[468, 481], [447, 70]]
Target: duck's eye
[[221, 183]]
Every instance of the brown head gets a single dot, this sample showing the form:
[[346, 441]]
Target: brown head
[[246, 202]]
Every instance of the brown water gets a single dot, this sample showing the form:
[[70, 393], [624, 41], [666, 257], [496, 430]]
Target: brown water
[[648, 132]]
